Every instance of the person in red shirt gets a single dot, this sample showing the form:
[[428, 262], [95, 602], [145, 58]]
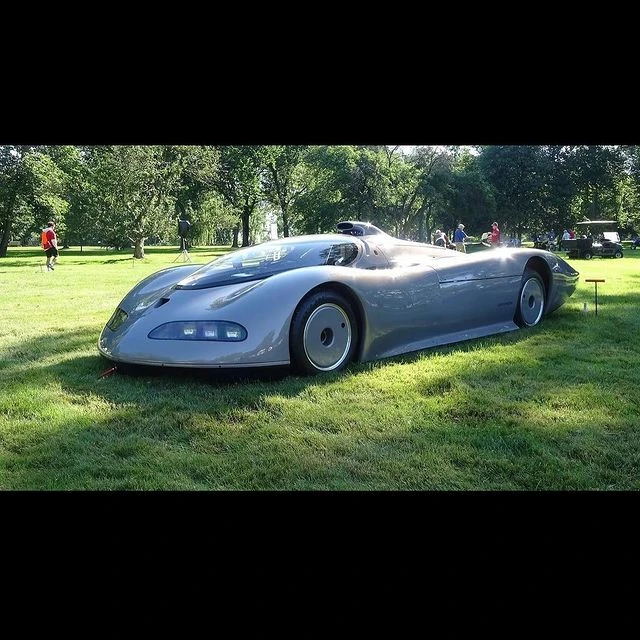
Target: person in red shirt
[[50, 245], [495, 235]]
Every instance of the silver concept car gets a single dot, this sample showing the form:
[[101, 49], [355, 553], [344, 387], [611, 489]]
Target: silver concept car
[[319, 302]]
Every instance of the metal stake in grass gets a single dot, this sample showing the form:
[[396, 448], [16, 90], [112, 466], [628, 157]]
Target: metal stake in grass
[[595, 284]]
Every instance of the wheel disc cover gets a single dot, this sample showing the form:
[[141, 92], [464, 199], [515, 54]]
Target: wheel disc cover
[[532, 302], [327, 337]]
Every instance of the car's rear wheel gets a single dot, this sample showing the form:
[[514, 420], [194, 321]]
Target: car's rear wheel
[[618, 254], [324, 334], [531, 301], [587, 255]]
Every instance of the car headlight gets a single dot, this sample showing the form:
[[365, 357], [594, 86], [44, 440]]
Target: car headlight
[[218, 331], [116, 320]]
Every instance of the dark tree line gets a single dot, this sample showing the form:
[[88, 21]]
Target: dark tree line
[[126, 195]]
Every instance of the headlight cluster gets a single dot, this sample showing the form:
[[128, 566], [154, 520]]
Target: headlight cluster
[[219, 331], [116, 320]]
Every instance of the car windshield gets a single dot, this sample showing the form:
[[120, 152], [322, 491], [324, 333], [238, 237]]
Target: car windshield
[[263, 260]]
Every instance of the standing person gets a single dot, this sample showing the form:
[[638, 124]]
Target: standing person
[[565, 236], [437, 238], [50, 244], [458, 237], [495, 235]]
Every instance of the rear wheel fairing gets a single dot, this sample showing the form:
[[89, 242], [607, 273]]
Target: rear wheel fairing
[[563, 282]]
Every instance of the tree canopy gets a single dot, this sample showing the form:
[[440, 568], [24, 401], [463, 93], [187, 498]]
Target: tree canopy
[[126, 195]]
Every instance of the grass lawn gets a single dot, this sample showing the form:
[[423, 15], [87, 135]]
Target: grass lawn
[[551, 408]]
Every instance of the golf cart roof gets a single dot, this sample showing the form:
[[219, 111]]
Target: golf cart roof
[[588, 222]]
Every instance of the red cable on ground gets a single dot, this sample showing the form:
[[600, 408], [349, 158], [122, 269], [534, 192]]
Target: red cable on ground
[[108, 372]]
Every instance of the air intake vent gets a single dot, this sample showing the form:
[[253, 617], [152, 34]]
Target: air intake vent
[[359, 228]]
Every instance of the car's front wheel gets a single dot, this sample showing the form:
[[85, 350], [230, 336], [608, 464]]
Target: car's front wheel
[[618, 254], [531, 301], [324, 334]]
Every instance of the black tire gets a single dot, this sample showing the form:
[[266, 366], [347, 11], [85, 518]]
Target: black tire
[[323, 335], [587, 255], [532, 300], [618, 254]]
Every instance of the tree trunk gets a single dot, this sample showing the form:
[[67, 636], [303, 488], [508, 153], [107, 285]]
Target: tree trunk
[[245, 227], [6, 226], [4, 240], [284, 205], [285, 218], [236, 233], [138, 251], [422, 234], [246, 214]]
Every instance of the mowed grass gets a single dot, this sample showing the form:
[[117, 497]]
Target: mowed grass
[[551, 408]]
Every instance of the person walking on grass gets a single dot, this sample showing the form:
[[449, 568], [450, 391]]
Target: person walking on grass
[[459, 237], [50, 245]]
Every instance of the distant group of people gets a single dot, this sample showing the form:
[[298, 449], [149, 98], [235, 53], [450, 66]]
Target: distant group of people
[[441, 239]]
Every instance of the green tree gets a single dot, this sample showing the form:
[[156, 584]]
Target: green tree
[[558, 190], [217, 222], [80, 223], [628, 210], [135, 189], [238, 181], [596, 172], [518, 177], [198, 167], [284, 180], [345, 183], [11, 182], [398, 194], [32, 191], [324, 203], [432, 190], [470, 197]]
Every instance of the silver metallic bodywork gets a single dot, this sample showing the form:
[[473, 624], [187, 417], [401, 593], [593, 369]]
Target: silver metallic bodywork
[[406, 296]]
